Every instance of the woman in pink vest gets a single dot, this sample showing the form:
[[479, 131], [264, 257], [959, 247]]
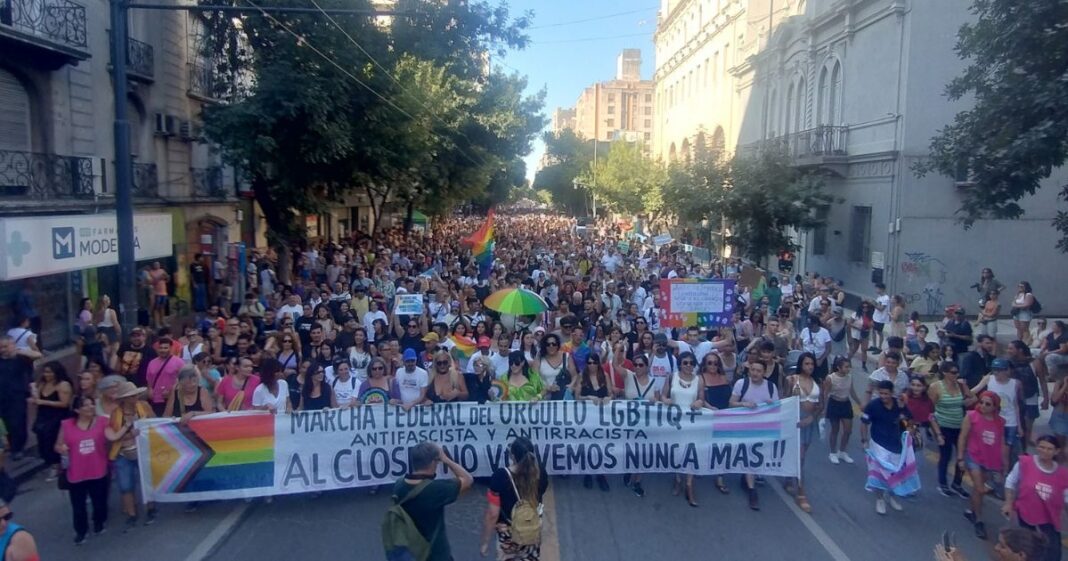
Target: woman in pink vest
[[1036, 490], [83, 442], [982, 450]]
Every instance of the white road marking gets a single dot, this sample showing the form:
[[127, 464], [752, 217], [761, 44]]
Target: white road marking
[[817, 532], [212, 540]]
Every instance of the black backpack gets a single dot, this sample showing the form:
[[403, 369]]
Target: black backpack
[[745, 387]]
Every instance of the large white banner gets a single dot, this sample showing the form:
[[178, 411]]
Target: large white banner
[[44, 245], [232, 455]]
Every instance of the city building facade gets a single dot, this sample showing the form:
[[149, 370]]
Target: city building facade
[[618, 109], [852, 89]]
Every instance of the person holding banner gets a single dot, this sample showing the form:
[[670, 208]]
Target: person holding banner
[[122, 435], [448, 385], [189, 398], [412, 381], [523, 481], [272, 394], [751, 392], [234, 391], [717, 395], [315, 393], [524, 383], [686, 390]]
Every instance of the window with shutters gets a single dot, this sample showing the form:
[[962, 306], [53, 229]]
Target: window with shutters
[[14, 114], [860, 234], [819, 233]]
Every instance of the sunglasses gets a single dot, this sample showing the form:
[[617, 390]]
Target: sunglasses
[[641, 364], [7, 517], [442, 363], [552, 344], [686, 363], [287, 340], [412, 326]]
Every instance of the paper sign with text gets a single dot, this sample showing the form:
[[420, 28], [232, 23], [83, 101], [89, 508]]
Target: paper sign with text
[[250, 454], [409, 305], [696, 302]]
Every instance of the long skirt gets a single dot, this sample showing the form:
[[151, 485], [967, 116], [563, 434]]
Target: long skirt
[[507, 550]]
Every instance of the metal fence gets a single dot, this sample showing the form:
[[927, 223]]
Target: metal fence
[[45, 176], [60, 21]]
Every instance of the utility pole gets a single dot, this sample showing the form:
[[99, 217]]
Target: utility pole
[[123, 169]]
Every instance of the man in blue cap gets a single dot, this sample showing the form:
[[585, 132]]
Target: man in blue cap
[[412, 380]]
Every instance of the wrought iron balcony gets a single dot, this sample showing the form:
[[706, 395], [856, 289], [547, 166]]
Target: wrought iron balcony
[[202, 81], [57, 21], [823, 146], [208, 182], [140, 60], [45, 176], [145, 181]]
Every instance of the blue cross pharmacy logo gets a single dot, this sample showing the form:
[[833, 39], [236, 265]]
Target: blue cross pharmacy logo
[[17, 248], [63, 242]]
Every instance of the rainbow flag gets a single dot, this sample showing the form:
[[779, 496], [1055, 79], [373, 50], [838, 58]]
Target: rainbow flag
[[481, 243], [213, 454], [462, 347]]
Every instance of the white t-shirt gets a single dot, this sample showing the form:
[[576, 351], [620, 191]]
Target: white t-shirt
[[23, 337], [757, 393], [262, 396], [293, 312], [901, 381], [345, 391], [411, 384], [610, 262], [814, 342], [660, 367], [882, 316], [1010, 410], [699, 350], [500, 364]]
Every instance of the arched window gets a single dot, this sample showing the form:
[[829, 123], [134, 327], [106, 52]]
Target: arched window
[[772, 113], [15, 118], [788, 111], [802, 105], [821, 97], [834, 114]]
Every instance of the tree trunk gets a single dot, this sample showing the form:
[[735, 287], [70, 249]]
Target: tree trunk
[[409, 216], [280, 224]]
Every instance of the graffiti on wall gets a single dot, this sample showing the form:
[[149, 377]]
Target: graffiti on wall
[[925, 275]]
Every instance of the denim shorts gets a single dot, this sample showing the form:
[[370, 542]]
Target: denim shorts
[[1012, 439], [1058, 423], [973, 466], [126, 474]]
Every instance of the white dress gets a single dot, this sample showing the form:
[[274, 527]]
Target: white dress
[[683, 393]]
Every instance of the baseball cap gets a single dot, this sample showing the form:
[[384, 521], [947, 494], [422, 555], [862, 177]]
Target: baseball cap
[[1000, 364], [484, 341], [660, 338], [431, 338], [410, 354], [539, 329]]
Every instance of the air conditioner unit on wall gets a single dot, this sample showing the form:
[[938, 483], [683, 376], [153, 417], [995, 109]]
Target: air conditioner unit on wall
[[188, 131]]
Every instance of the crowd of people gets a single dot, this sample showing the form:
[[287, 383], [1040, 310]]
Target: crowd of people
[[325, 334]]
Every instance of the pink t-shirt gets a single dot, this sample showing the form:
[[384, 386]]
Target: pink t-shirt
[[228, 392], [162, 376], [1041, 495], [88, 449], [985, 440]]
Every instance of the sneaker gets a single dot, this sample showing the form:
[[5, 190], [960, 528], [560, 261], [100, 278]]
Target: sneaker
[[946, 491], [894, 504], [970, 516], [754, 500], [602, 482], [959, 490], [880, 506], [79, 539], [150, 517], [53, 474], [638, 490], [99, 530], [760, 480], [833, 457], [845, 457], [130, 524], [980, 530]]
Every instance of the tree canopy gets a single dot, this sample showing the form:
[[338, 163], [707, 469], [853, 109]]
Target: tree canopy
[[567, 157], [1016, 132], [627, 181], [407, 112]]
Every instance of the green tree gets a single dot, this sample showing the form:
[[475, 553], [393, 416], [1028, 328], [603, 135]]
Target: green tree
[[766, 196], [694, 188], [568, 156], [1017, 130], [628, 182], [407, 113]]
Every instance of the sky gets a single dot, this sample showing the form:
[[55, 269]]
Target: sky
[[574, 43]]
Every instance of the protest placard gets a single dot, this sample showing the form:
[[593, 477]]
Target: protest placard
[[696, 302]]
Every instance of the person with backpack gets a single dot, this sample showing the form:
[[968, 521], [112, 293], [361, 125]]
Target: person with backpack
[[514, 505], [414, 526], [751, 392]]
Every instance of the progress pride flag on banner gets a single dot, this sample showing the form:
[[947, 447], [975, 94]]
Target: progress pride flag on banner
[[235, 455]]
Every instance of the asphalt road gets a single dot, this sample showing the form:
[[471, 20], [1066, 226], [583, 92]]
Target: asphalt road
[[581, 524]]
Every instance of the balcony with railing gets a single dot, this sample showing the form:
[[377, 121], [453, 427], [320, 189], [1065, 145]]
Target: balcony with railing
[[208, 183], [49, 32], [202, 77], [823, 147], [140, 61], [145, 181], [45, 176]]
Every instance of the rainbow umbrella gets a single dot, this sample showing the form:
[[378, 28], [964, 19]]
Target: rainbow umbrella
[[516, 302]]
